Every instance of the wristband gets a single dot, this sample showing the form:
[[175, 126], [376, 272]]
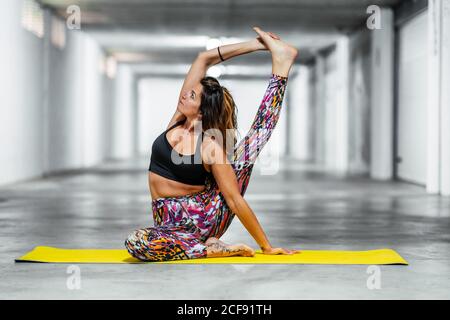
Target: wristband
[[221, 58]]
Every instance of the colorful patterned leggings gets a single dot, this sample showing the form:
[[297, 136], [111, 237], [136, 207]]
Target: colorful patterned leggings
[[182, 224]]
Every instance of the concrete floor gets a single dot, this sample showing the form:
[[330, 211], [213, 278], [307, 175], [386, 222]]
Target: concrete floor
[[299, 207]]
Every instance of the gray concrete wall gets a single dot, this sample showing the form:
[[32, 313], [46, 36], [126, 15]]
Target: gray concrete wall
[[359, 104]]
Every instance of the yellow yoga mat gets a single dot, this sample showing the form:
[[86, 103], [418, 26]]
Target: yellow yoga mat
[[58, 255]]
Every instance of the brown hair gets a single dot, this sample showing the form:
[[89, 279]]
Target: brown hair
[[219, 112]]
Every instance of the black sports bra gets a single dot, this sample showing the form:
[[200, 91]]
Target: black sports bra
[[187, 169]]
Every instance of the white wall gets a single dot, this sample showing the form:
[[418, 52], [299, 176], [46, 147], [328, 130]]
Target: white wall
[[94, 108], [75, 110], [54, 101], [412, 99], [157, 102], [21, 129], [301, 115], [122, 113], [438, 98]]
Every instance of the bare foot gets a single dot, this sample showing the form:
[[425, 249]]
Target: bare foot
[[281, 51], [217, 248], [213, 240]]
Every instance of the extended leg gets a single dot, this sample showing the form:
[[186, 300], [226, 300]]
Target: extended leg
[[283, 56], [248, 149]]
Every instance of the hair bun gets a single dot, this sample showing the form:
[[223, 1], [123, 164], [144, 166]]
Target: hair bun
[[218, 89]]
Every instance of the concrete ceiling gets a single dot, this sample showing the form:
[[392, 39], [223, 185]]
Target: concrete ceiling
[[173, 31]]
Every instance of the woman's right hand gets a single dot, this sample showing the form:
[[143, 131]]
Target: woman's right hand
[[260, 45], [279, 251]]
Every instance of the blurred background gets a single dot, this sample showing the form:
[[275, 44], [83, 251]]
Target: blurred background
[[361, 151], [84, 81]]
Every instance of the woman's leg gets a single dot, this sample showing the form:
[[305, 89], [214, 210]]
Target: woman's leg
[[176, 234], [249, 148], [164, 243]]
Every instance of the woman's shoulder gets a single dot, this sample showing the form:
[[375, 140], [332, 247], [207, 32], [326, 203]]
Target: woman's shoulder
[[177, 118]]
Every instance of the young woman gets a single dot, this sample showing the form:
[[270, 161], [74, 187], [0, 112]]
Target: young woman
[[194, 202]]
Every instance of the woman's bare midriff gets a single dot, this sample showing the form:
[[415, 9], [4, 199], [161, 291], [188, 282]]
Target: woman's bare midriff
[[161, 187]]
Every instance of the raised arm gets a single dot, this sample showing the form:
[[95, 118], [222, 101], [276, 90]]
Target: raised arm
[[208, 58]]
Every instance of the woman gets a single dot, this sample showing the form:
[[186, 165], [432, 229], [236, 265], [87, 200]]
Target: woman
[[196, 198]]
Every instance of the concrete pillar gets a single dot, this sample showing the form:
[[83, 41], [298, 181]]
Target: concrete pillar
[[433, 134], [299, 116], [135, 103], [445, 97], [312, 112], [359, 105], [45, 90], [382, 101], [341, 140], [438, 117], [122, 114], [320, 109]]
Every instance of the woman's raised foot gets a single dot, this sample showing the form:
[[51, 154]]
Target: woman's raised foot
[[281, 51]]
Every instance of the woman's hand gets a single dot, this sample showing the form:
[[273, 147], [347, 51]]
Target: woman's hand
[[279, 251], [259, 43]]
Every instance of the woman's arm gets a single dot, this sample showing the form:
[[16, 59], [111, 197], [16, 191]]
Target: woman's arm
[[228, 185], [228, 51], [226, 180], [208, 58]]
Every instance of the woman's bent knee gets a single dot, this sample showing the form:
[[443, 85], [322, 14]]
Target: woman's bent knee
[[135, 245], [140, 247]]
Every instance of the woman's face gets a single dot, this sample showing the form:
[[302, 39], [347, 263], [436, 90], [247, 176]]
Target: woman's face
[[190, 101]]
